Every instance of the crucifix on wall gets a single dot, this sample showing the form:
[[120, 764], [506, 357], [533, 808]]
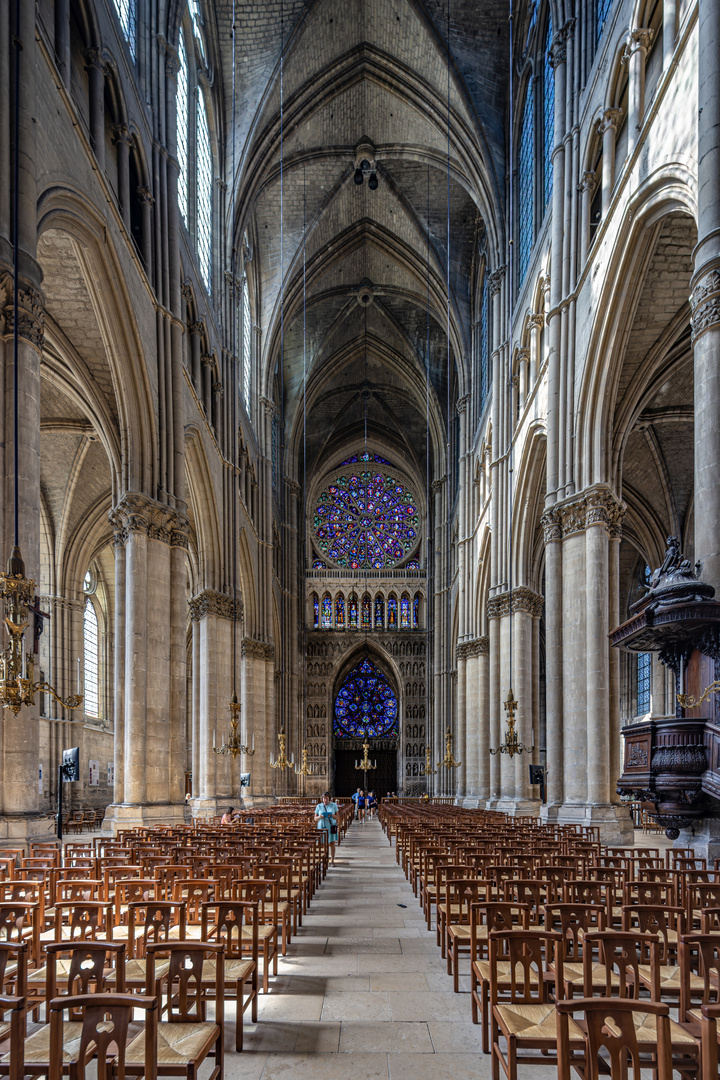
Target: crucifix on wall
[[40, 616]]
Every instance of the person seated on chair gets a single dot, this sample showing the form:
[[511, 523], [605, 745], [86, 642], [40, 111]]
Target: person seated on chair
[[228, 817]]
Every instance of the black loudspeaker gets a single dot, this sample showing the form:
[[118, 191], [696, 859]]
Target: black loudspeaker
[[537, 774], [71, 764]]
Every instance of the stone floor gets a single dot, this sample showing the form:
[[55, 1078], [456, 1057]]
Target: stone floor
[[363, 977]]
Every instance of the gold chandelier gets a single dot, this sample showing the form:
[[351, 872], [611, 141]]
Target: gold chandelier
[[283, 761], [234, 746], [512, 744], [17, 667], [304, 769], [449, 762]]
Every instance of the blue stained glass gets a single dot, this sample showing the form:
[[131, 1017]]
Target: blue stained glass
[[183, 93], [602, 10], [326, 614], [127, 14], [644, 673], [392, 614], [405, 612], [366, 705], [318, 564], [526, 184], [416, 611], [365, 456], [366, 612], [379, 613], [204, 193], [316, 611], [548, 116], [340, 613], [366, 520], [353, 611]]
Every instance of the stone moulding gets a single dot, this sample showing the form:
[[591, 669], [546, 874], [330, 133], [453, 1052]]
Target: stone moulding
[[139, 513], [260, 650], [31, 312], [595, 506], [478, 647], [523, 599], [705, 303], [209, 602]]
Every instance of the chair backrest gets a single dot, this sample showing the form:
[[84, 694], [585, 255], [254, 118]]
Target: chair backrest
[[14, 954], [105, 1022], [573, 922], [13, 917], [228, 918], [622, 952], [184, 981], [529, 954], [612, 1037], [156, 917], [89, 963], [87, 920], [665, 922], [707, 949]]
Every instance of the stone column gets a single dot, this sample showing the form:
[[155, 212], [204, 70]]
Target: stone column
[[146, 204], [638, 44], [119, 673], [527, 606], [523, 363], [598, 661], [136, 601], [96, 79], [483, 712], [537, 322], [208, 364], [123, 141], [669, 31], [553, 660], [258, 661], [558, 59], [574, 676], [218, 391], [178, 664], [705, 299], [196, 330], [607, 128], [587, 190], [461, 742]]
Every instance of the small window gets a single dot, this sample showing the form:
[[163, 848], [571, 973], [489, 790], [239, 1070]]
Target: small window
[[416, 611], [644, 673], [204, 193], [316, 611], [182, 128], [127, 17], [366, 624], [392, 612], [91, 658], [89, 584], [379, 613], [526, 185], [353, 611], [326, 612], [340, 613], [602, 10], [405, 612]]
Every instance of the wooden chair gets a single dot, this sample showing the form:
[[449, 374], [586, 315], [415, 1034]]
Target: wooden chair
[[617, 1027], [485, 918], [264, 895], [12, 1037], [185, 1038], [13, 969], [99, 1034], [703, 986], [709, 1040], [574, 922], [20, 923], [240, 971], [150, 923], [521, 1009], [462, 893]]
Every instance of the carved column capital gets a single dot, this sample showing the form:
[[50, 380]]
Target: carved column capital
[[551, 525], [609, 119], [640, 40], [145, 196], [523, 354], [210, 602], [462, 403], [121, 134], [588, 183], [536, 321], [705, 303], [259, 650], [268, 405], [31, 311], [495, 280], [94, 59], [207, 360], [137, 513]]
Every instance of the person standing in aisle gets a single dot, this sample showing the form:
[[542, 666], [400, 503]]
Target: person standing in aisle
[[355, 796], [326, 817], [372, 804], [361, 803]]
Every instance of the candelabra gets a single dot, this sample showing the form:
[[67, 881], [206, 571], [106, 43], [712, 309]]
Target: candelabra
[[448, 762], [365, 763], [17, 685], [512, 744], [429, 771], [304, 769], [283, 762], [687, 701], [234, 746]]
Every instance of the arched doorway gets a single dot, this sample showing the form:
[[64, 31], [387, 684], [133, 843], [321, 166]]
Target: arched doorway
[[365, 708]]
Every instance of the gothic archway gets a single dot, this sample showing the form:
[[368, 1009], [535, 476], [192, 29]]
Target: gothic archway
[[365, 708]]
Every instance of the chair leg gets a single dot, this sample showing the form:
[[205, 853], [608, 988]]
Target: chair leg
[[456, 966], [239, 1012]]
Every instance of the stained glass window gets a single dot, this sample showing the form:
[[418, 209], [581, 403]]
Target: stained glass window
[[416, 611], [340, 613], [366, 705], [127, 14], [405, 612], [318, 564], [526, 184], [366, 612], [204, 193], [412, 564], [379, 613], [644, 672], [602, 10], [365, 456], [353, 611], [366, 519], [182, 128], [484, 343], [91, 660], [197, 21], [392, 614], [326, 612], [316, 611], [548, 116], [246, 344]]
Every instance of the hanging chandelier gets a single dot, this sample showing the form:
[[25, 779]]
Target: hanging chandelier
[[449, 762], [283, 761], [234, 745], [304, 769], [512, 744], [17, 666]]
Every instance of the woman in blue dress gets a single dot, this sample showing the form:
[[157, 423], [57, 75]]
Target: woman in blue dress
[[326, 813]]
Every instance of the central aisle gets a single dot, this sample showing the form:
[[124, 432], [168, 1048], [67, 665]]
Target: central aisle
[[362, 977]]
